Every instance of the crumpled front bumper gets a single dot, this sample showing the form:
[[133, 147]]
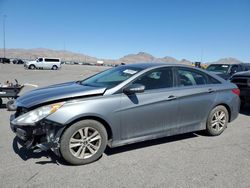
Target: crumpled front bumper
[[43, 136], [21, 132]]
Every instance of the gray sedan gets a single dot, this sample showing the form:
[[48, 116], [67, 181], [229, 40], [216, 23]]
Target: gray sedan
[[123, 105]]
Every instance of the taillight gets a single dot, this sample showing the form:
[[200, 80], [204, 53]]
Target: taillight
[[236, 91]]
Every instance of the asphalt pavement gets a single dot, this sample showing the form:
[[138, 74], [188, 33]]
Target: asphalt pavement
[[189, 160]]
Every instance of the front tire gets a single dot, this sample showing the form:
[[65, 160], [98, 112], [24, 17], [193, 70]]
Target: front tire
[[217, 120], [83, 142], [32, 67]]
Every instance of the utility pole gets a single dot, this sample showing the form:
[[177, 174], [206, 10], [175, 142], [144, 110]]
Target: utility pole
[[202, 51], [4, 17]]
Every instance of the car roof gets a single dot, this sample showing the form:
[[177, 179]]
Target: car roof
[[152, 64], [227, 64], [49, 57]]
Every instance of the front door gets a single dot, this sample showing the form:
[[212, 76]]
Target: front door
[[39, 63], [153, 111]]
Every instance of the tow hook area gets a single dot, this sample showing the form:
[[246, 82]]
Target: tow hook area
[[42, 137], [45, 146], [50, 143]]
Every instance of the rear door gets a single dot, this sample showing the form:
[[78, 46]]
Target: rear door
[[153, 111], [48, 63], [197, 93]]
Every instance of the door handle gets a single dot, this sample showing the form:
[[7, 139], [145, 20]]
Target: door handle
[[172, 97], [210, 90]]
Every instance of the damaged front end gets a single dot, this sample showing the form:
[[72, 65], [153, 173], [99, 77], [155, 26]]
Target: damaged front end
[[41, 136]]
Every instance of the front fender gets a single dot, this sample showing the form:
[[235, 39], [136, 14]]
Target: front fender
[[104, 108]]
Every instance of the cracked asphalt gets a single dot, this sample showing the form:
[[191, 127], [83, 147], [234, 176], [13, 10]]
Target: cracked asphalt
[[189, 160]]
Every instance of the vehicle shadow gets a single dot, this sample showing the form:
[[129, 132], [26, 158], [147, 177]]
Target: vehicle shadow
[[26, 154], [245, 110], [112, 151], [2, 106]]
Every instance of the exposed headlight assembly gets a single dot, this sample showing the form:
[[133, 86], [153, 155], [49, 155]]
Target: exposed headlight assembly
[[30, 118]]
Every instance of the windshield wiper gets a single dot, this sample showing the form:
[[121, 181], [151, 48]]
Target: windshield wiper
[[81, 83], [84, 84]]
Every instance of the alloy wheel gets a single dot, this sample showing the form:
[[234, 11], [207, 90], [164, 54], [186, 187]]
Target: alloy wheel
[[85, 142], [54, 67], [218, 121]]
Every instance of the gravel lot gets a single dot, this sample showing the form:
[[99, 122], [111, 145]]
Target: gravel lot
[[189, 160]]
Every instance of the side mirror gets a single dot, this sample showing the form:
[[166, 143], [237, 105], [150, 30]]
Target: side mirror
[[134, 88]]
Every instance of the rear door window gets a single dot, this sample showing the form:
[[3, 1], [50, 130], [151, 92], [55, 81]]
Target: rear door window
[[189, 77]]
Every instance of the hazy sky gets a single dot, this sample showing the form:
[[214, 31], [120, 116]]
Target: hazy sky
[[113, 28]]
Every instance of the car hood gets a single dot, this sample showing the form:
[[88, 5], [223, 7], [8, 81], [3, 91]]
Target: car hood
[[244, 73], [57, 92], [30, 62], [220, 74]]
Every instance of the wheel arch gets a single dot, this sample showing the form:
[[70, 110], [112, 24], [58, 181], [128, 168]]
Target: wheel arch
[[228, 109], [32, 65], [96, 118]]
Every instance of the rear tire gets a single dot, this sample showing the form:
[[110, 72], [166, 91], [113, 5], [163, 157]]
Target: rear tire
[[83, 142], [1, 102], [54, 67], [217, 121]]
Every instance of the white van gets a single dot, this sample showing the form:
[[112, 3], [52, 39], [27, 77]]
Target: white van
[[44, 63]]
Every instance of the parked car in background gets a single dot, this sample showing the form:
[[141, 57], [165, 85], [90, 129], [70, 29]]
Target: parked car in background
[[123, 105], [242, 80], [227, 70], [18, 61], [4, 60], [44, 63]]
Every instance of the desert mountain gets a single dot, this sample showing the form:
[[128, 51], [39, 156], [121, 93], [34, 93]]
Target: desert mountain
[[42, 52], [229, 60], [78, 57], [29, 54], [140, 57], [168, 59]]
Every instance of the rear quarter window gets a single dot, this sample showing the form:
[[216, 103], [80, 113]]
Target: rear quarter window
[[212, 80]]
